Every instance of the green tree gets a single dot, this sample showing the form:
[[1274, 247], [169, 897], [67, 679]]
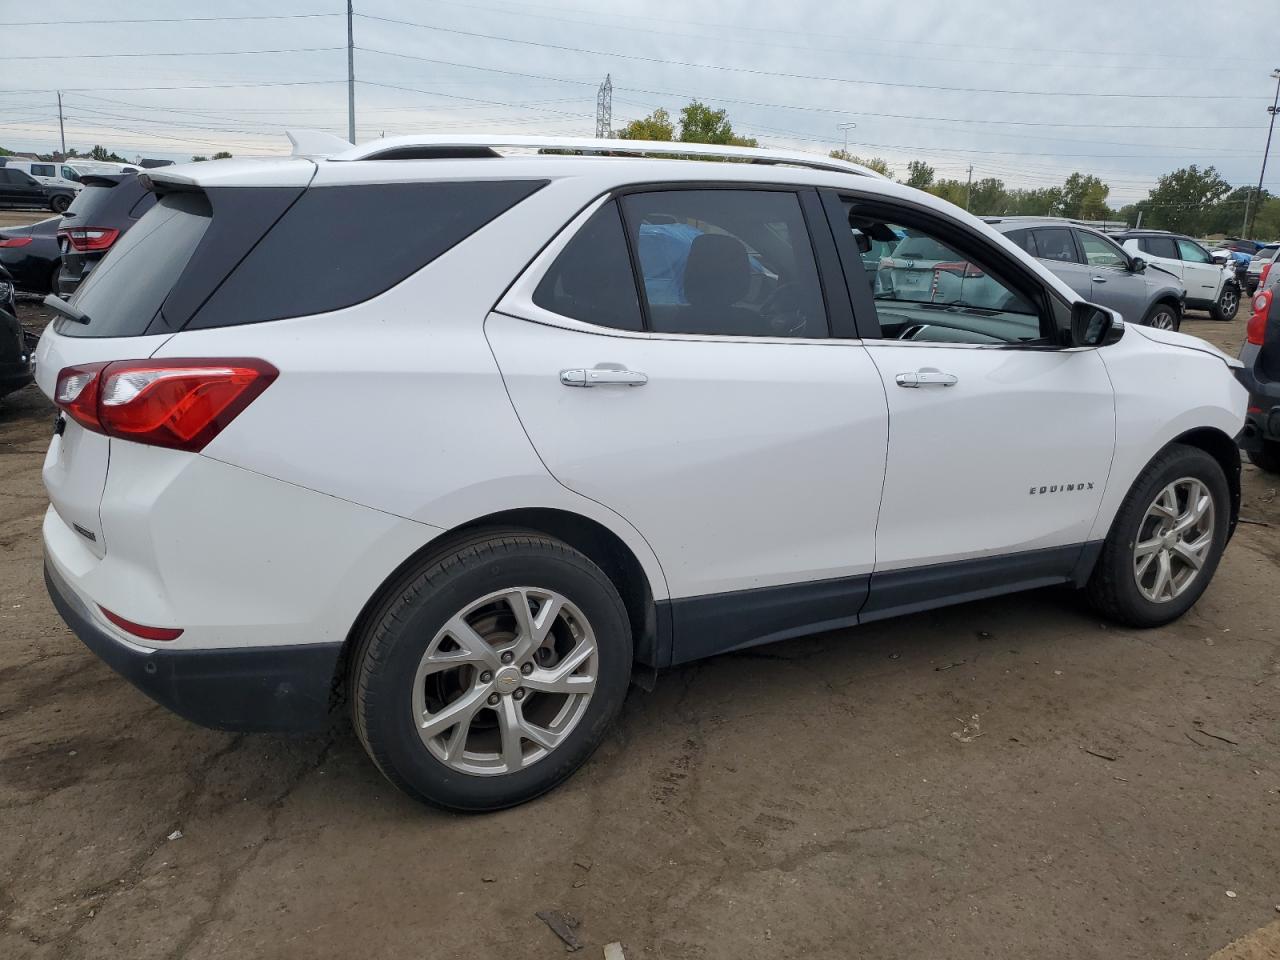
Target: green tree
[[222, 155], [1181, 200], [1227, 214], [988, 197], [100, 152], [656, 126], [950, 190], [1040, 202], [1084, 197], [919, 175], [1266, 225], [700, 124], [199, 158], [878, 164]]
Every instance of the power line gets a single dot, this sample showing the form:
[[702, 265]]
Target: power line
[[207, 86], [184, 53], [774, 73], [65, 23]]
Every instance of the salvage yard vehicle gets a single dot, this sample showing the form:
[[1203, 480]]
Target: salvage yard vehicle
[[105, 210], [469, 479], [1260, 355], [30, 253], [1261, 261], [15, 351], [1099, 270], [20, 189], [1210, 286]]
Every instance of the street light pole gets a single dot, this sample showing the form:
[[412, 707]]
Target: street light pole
[[1248, 222], [351, 78]]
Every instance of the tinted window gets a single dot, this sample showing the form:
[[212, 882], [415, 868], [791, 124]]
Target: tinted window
[[42, 170], [735, 262], [1025, 239], [89, 203], [128, 288], [591, 280], [1055, 243], [1159, 247], [1100, 252], [1192, 252], [948, 298], [338, 246]]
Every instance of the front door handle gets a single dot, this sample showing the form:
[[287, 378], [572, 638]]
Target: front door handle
[[1099, 279], [926, 378], [599, 376]]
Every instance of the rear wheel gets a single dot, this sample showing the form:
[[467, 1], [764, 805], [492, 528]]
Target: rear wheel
[[59, 203], [1163, 317], [54, 276], [1268, 457], [1228, 303], [1166, 541], [492, 674]]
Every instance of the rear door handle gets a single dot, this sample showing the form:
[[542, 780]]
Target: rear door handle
[[600, 376], [926, 378], [1099, 279]]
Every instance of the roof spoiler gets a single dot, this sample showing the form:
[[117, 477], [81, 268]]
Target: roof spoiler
[[316, 144]]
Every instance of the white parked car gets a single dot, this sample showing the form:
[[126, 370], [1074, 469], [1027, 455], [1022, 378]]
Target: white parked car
[[462, 440], [1210, 285]]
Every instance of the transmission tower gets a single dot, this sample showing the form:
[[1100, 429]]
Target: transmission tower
[[604, 109]]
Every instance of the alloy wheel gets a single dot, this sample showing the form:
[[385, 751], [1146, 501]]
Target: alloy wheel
[[1230, 303], [1162, 320], [505, 681], [1174, 540]]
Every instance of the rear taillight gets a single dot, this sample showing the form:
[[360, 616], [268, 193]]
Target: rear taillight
[[88, 239], [1257, 329], [1262, 277], [138, 630], [182, 404], [14, 241]]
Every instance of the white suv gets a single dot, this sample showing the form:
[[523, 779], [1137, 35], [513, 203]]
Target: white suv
[[466, 438]]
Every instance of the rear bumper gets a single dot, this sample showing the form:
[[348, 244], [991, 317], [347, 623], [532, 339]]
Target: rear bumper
[[1262, 422], [262, 689], [14, 377]]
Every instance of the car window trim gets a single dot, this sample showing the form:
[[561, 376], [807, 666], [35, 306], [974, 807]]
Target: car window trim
[[1053, 310], [1124, 257], [825, 280]]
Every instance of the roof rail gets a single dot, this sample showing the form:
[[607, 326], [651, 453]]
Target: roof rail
[[452, 147]]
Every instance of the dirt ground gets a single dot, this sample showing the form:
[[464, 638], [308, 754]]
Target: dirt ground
[[1008, 778]]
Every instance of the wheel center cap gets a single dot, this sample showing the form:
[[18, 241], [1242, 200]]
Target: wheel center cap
[[507, 679]]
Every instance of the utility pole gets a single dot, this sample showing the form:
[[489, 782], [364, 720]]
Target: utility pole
[[604, 109], [62, 132], [968, 188], [351, 77], [846, 127], [1248, 222]]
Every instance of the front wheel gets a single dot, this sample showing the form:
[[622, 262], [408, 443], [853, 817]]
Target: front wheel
[[492, 673], [1162, 317], [1267, 457], [1228, 303], [1166, 540]]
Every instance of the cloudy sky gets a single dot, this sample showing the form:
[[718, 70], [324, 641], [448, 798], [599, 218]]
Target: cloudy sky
[[1025, 91]]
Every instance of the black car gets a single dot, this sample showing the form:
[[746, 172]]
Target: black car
[[31, 255], [106, 208], [15, 345], [20, 189], [1260, 354]]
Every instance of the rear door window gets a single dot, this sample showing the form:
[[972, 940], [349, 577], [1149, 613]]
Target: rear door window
[[1162, 247], [591, 279], [127, 290], [728, 262], [1025, 239], [1055, 243]]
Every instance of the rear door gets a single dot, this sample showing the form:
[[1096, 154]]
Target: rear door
[[710, 407], [1163, 253]]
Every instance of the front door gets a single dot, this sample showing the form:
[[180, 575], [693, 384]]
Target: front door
[[707, 404], [999, 442], [1115, 285], [1201, 276]]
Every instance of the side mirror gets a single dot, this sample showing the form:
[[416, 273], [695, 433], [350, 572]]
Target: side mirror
[[1138, 265], [1091, 325]]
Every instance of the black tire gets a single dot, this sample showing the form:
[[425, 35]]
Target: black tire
[[1113, 588], [387, 655], [1268, 457], [1159, 311], [1228, 303], [54, 276], [59, 203]]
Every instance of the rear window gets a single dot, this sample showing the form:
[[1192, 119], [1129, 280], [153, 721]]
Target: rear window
[[89, 203], [126, 291], [339, 246], [922, 248]]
